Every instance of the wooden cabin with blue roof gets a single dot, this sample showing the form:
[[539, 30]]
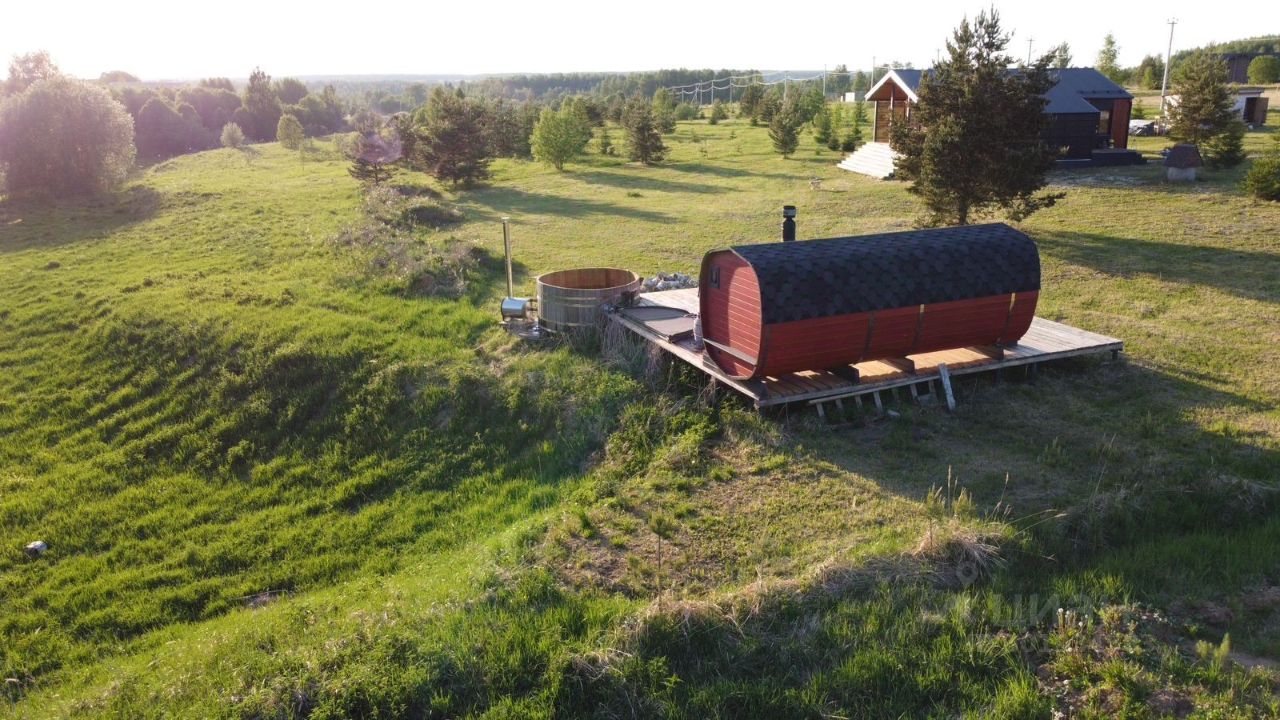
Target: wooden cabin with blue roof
[[1089, 123]]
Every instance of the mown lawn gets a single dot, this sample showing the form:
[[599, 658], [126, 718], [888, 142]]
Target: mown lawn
[[278, 479]]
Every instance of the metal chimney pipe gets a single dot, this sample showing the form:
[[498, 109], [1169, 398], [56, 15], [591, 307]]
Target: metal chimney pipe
[[506, 245], [788, 223]]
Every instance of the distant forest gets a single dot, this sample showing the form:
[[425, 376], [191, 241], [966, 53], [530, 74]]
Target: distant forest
[[1260, 44]]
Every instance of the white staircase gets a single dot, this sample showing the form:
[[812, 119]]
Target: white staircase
[[874, 159]]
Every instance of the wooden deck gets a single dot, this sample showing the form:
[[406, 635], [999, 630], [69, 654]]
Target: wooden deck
[[1046, 340]]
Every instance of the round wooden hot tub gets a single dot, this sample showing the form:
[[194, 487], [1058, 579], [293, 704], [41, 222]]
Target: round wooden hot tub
[[572, 298]]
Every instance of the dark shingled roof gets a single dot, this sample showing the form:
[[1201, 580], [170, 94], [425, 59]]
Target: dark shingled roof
[[1183, 156], [1068, 95], [837, 276]]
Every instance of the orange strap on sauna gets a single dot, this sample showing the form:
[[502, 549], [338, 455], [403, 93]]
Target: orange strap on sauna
[[1008, 318], [915, 341], [871, 326]]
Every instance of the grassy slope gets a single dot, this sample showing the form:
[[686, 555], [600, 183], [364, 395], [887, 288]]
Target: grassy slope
[[148, 372]]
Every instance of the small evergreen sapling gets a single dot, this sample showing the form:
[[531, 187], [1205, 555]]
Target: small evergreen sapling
[[784, 130], [1263, 180]]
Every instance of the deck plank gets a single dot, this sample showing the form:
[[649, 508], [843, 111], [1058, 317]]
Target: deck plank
[[1045, 340]]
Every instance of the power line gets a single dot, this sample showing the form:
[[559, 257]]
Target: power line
[[744, 81]]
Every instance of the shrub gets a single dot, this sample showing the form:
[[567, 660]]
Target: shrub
[[1263, 180], [61, 136], [718, 112], [1226, 149], [289, 132], [1264, 70], [427, 212], [686, 111], [560, 136], [232, 135], [164, 131]]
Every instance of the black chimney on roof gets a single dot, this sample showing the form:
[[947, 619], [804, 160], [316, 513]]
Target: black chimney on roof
[[788, 223]]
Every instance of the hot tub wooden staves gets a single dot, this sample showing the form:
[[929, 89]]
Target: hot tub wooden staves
[[777, 308]]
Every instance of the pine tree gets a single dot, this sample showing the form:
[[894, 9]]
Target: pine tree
[[644, 140], [605, 142], [1061, 55], [749, 103], [784, 130], [1263, 180], [1204, 114], [372, 157], [836, 118], [822, 126], [664, 111], [449, 141], [853, 138], [974, 144]]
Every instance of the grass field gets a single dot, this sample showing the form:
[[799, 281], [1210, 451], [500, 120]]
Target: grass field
[[284, 473]]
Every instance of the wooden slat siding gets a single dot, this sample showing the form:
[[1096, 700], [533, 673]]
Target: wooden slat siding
[[731, 312], [1120, 111]]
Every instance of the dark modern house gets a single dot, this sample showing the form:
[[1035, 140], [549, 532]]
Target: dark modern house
[[1089, 119]]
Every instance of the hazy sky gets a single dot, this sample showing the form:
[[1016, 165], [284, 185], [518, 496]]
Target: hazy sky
[[159, 40]]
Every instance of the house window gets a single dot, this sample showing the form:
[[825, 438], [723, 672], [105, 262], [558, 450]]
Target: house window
[[1104, 122], [715, 276]]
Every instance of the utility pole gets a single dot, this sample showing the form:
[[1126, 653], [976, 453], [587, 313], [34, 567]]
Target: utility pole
[[1029, 41], [1168, 55]]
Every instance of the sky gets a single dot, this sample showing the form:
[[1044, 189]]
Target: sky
[[169, 40]]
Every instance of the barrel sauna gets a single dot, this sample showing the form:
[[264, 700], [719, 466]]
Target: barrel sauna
[[822, 304], [572, 298]]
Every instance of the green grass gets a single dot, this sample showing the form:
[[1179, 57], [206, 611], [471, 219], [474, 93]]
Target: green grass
[[279, 479]]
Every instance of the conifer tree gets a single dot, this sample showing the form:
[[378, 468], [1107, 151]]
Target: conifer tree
[[449, 139], [1203, 114], [664, 111], [784, 130], [822, 126], [974, 143], [748, 104], [1263, 180], [644, 140], [605, 142], [853, 138], [836, 117]]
